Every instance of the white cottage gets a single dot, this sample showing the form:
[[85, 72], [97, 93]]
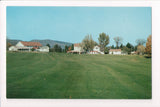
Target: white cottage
[[28, 46], [115, 51], [13, 48], [77, 49], [43, 49], [96, 50]]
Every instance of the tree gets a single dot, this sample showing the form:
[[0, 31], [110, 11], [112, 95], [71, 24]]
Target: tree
[[106, 50], [88, 43], [125, 49], [118, 40], [95, 43], [66, 48], [69, 49], [135, 48], [141, 49], [121, 46], [8, 45], [57, 48], [48, 46], [50, 50], [72, 47], [112, 47], [103, 41], [128, 45], [149, 45], [130, 48], [140, 41]]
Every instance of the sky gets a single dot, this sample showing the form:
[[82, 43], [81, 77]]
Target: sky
[[72, 24]]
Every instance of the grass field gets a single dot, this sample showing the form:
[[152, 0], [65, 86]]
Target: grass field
[[64, 76]]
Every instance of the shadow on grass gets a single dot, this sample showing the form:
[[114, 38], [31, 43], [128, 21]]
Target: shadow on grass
[[148, 56]]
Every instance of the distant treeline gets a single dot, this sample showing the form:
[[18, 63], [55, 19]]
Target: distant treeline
[[58, 48], [88, 44]]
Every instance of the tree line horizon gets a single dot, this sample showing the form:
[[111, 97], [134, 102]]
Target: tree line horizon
[[88, 44]]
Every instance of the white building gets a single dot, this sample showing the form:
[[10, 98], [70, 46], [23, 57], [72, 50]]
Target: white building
[[133, 53], [13, 48], [115, 51], [43, 49], [77, 49], [28, 46], [96, 50]]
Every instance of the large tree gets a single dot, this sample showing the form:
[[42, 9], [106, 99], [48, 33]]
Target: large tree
[[140, 41], [103, 41], [140, 49], [130, 47], [112, 47], [149, 45], [88, 43], [125, 49], [118, 41]]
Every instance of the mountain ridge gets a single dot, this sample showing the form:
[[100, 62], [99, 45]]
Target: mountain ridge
[[44, 42]]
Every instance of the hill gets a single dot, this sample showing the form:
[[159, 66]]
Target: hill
[[52, 43], [43, 42]]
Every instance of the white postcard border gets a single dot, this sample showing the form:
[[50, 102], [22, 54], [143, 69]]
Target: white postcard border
[[154, 102]]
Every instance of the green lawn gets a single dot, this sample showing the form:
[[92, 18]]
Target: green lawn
[[64, 76]]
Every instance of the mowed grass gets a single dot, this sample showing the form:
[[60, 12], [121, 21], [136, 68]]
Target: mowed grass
[[65, 76]]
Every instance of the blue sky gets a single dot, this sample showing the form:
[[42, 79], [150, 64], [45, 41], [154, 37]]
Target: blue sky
[[72, 24]]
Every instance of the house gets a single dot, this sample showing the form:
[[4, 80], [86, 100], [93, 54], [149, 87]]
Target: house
[[115, 51], [13, 48], [77, 49], [133, 53], [96, 50], [43, 49], [29, 46]]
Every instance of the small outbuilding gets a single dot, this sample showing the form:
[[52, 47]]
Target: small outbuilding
[[115, 51], [96, 50], [13, 48], [43, 49]]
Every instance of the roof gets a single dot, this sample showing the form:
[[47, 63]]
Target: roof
[[31, 43], [12, 47], [76, 44], [114, 50]]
